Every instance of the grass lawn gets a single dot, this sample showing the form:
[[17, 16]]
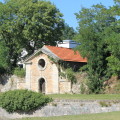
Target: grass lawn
[[99, 116], [86, 97]]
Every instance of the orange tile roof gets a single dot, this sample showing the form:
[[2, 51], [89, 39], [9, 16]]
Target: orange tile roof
[[67, 54]]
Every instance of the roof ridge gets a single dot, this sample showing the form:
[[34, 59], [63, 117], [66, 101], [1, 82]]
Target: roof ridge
[[58, 47]]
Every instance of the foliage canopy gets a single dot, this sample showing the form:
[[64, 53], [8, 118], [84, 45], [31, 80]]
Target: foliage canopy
[[23, 22], [98, 35]]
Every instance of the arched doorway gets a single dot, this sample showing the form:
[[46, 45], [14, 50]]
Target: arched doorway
[[42, 85]]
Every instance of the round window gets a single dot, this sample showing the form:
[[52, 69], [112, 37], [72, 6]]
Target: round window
[[41, 63]]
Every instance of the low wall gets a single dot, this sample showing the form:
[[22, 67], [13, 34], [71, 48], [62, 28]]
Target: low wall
[[67, 107], [11, 83]]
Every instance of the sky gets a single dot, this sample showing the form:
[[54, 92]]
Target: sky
[[69, 7]]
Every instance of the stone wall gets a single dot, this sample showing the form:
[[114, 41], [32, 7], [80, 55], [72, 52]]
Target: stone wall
[[11, 83], [67, 107], [65, 87]]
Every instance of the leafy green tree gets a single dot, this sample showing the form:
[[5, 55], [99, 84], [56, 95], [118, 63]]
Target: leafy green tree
[[113, 41], [113, 46], [68, 32], [92, 26], [23, 21], [4, 60]]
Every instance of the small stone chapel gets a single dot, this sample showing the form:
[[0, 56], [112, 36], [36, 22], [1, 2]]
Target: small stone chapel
[[42, 69]]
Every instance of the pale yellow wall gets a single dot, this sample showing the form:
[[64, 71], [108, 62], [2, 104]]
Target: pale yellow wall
[[49, 73], [65, 87]]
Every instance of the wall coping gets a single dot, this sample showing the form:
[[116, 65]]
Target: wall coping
[[77, 100]]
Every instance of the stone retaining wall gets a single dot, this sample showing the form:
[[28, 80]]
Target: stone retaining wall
[[10, 83], [67, 107]]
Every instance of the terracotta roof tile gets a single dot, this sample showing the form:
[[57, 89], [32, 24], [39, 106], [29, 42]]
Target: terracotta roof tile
[[67, 54]]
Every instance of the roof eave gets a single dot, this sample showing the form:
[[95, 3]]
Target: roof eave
[[44, 50]]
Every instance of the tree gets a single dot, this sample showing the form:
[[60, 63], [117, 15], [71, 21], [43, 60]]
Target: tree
[[3, 58], [113, 46], [113, 40], [68, 33], [23, 21], [93, 23]]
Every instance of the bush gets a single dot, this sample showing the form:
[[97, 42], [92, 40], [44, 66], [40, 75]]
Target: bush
[[82, 88], [22, 100], [70, 75], [20, 72], [104, 104]]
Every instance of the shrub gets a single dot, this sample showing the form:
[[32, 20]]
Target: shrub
[[22, 100], [104, 104], [70, 75], [20, 72], [117, 87], [62, 74], [82, 88]]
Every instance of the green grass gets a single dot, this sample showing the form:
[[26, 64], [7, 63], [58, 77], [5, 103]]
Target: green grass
[[86, 97], [99, 116]]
